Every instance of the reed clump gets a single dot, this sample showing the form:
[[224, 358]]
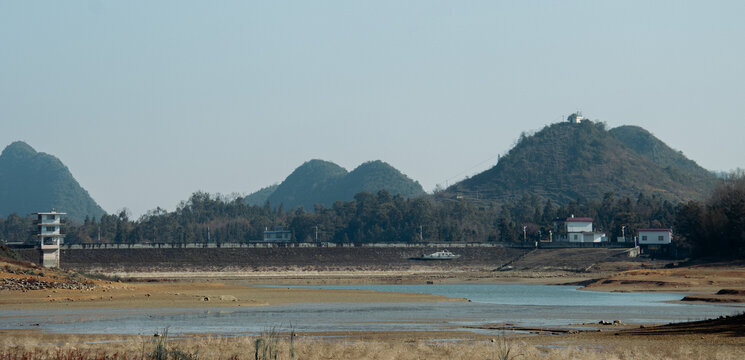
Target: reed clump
[[275, 345], [270, 346]]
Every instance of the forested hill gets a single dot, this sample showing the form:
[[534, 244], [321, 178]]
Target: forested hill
[[31, 181], [654, 149], [322, 182], [374, 176], [566, 161], [307, 185]]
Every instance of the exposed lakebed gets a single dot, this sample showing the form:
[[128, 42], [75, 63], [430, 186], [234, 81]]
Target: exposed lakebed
[[523, 305]]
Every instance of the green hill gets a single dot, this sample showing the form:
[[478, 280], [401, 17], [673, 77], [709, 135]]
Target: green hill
[[323, 182], [674, 162], [307, 185], [567, 161], [374, 176], [31, 181]]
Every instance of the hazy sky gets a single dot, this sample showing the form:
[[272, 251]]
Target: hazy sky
[[149, 101]]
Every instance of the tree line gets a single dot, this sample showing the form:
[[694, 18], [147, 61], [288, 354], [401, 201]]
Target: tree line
[[712, 228], [716, 227]]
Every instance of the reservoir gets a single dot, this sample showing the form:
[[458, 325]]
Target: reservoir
[[523, 305]]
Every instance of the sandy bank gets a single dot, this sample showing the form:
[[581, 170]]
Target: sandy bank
[[191, 294], [724, 284]]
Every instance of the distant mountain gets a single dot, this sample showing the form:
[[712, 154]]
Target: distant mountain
[[374, 176], [31, 181], [307, 185], [566, 161], [323, 182]]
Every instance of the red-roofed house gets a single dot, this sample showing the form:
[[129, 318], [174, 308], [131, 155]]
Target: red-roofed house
[[580, 230]]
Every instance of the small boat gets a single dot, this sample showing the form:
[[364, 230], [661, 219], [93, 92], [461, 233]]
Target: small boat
[[440, 255]]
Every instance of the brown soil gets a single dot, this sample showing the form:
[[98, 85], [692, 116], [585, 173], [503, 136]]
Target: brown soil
[[718, 283], [191, 294]]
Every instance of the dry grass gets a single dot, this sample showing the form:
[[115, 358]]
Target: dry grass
[[245, 347]]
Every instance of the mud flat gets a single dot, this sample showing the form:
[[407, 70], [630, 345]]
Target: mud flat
[[186, 295], [709, 283]]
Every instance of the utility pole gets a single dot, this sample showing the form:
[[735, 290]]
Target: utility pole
[[623, 232], [316, 232], [550, 236], [208, 234], [525, 233]]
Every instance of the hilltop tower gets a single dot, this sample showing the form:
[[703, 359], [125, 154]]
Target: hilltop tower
[[49, 224], [575, 118]]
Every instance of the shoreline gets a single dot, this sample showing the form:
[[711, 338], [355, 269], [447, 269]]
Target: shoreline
[[719, 338], [233, 288]]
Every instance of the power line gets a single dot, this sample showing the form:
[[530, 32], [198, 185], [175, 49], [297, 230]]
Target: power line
[[470, 169]]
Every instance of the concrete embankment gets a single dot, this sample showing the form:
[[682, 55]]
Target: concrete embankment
[[265, 258]]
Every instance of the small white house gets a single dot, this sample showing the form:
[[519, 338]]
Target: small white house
[[580, 230], [278, 234], [655, 236], [575, 118]]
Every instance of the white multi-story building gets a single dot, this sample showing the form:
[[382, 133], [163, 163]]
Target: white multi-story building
[[50, 237], [580, 230]]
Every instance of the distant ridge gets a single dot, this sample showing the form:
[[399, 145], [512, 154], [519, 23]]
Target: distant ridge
[[260, 197], [654, 149], [31, 181], [373, 176], [323, 182], [567, 161]]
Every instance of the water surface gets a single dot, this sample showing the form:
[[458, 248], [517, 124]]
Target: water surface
[[526, 305]]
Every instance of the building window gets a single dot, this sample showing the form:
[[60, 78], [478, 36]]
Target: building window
[[575, 237], [644, 238], [660, 238], [49, 228], [50, 217]]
